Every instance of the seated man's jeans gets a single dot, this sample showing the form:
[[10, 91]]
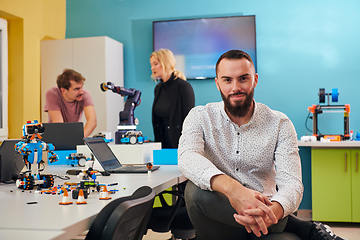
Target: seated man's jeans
[[212, 216]]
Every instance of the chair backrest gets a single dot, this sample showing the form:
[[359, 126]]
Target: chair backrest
[[162, 217], [172, 218], [124, 218]]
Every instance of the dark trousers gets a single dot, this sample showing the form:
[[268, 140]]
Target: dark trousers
[[212, 216]]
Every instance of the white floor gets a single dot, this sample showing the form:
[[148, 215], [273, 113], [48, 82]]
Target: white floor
[[349, 231], [156, 236]]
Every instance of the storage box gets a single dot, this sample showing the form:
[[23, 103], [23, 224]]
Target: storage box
[[167, 156]]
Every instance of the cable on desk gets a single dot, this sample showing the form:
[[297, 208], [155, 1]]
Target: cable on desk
[[8, 182], [62, 177]]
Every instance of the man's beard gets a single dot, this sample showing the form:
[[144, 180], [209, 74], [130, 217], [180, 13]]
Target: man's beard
[[239, 109]]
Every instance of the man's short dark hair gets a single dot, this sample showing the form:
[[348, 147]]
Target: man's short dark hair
[[63, 80], [233, 54]]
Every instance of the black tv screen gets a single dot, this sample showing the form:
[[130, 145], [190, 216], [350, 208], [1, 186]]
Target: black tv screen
[[198, 43]]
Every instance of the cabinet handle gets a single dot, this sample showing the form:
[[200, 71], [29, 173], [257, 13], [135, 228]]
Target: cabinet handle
[[345, 162], [356, 164]]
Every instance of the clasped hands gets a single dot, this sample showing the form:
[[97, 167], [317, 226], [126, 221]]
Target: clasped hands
[[255, 211]]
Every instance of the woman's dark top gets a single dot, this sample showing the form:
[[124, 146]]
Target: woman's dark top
[[172, 102]]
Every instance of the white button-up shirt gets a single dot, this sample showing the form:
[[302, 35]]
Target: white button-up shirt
[[262, 154]]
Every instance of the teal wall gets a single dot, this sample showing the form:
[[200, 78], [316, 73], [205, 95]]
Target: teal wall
[[301, 46], [305, 155]]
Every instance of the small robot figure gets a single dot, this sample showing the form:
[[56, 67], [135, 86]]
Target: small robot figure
[[31, 148], [132, 137], [76, 159], [88, 183]]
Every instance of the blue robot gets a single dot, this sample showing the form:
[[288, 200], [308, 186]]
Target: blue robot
[[31, 148]]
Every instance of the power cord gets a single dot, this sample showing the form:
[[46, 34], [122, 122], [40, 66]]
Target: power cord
[[307, 118], [62, 177]]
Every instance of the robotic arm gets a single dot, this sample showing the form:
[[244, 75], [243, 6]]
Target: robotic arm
[[126, 117], [127, 126]]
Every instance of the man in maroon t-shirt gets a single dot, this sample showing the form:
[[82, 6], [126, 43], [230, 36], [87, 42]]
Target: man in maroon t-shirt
[[68, 101]]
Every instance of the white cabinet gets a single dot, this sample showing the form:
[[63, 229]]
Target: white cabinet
[[98, 59]]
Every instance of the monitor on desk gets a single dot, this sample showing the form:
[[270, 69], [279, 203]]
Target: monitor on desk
[[64, 136]]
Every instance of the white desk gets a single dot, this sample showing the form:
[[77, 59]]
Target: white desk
[[28, 234], [337, 144], [64, 222]]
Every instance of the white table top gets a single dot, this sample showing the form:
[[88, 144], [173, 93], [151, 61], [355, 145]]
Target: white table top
[[336, 144], [28, 234], [71, 220]]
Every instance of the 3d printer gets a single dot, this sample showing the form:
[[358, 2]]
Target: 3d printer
[[318, 109]]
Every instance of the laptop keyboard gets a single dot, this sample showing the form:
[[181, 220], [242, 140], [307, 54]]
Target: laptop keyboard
[[132, 169]]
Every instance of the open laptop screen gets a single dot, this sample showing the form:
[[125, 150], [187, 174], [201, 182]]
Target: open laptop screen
[[11, 161], [103, 153], [64, 136]]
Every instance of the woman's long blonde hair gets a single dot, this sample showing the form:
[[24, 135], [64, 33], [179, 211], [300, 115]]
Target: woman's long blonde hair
[[167, 60]]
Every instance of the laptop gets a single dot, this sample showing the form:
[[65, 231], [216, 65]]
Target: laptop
[[109, 161], [11, 162], [64, 136]]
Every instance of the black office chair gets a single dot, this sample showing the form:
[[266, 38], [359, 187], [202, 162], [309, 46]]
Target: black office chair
[[124, 218], [172, 218]]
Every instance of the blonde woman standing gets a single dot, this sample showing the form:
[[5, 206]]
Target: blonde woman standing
[[173, 98]]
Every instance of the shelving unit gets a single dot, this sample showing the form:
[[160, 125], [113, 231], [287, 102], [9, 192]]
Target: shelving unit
[[335, 180]]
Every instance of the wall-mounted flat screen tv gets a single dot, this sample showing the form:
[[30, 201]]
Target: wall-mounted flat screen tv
[[198, 43]]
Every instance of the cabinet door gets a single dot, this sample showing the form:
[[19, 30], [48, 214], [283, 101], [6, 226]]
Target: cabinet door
[[355, 184], [331, 185]]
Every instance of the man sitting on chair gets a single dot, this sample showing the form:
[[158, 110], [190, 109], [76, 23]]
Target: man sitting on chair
[[235, 153]]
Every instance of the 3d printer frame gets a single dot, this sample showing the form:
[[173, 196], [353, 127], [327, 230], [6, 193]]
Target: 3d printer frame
[[318, 109]]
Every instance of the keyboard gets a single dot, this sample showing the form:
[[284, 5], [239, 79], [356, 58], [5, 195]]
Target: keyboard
[[132, 169]]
